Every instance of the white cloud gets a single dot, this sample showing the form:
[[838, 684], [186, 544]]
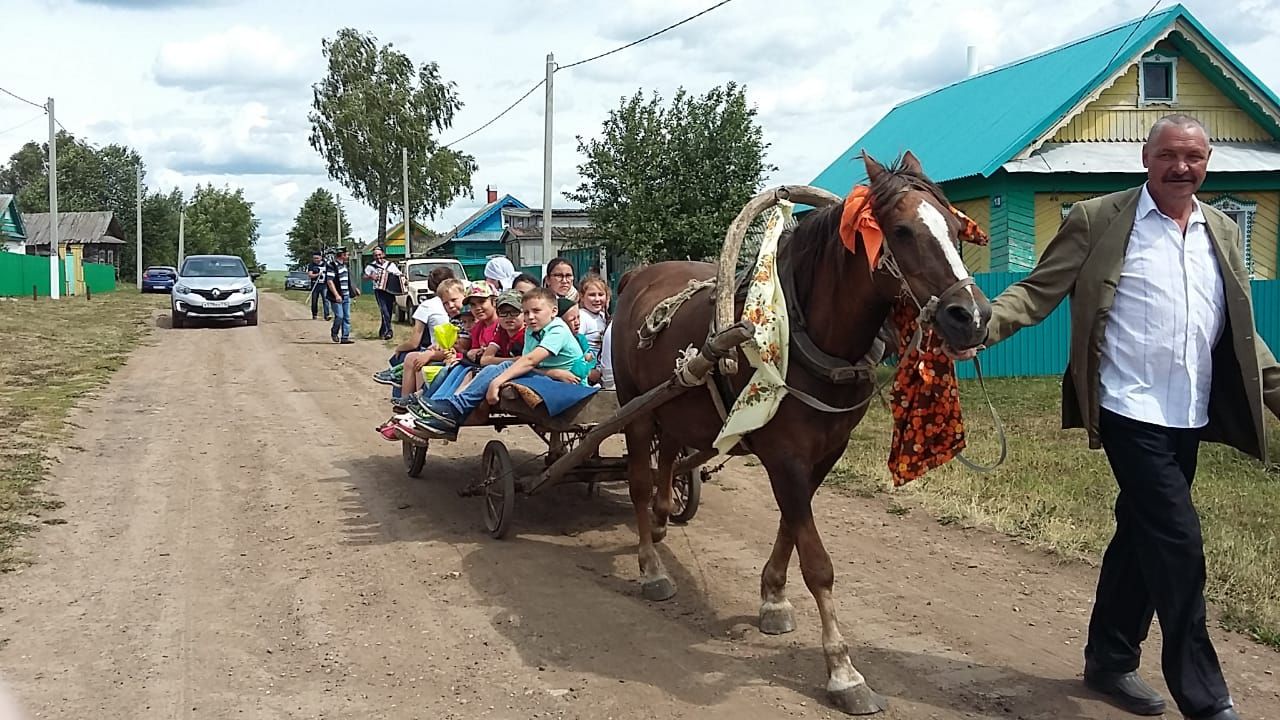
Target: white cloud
[[239, 57], [207, 92]]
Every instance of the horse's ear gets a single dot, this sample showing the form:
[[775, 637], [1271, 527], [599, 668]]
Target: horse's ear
[[874, 169], [911, 164]]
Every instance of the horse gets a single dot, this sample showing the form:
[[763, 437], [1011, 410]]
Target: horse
[[846, 302]]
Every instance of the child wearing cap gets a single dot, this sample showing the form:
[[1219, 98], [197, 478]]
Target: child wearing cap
[[549, 345], [508, 342], [485, 331]]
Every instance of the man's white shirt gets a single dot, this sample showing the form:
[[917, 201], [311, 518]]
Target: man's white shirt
[[1169, 311]]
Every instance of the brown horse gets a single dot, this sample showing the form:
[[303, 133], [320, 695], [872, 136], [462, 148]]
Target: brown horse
[[845, 303]]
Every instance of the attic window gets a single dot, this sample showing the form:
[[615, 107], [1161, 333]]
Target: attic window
[[1158, 80]]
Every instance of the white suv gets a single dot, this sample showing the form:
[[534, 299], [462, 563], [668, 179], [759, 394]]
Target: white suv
[[416, 273], [215, 287]]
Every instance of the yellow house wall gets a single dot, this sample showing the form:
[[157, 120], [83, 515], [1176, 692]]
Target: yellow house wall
[[1116, 115], [1266, 223], [977, 257]]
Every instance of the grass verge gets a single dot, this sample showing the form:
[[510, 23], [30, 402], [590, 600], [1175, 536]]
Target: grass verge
[[55, 352], [1055, 493]]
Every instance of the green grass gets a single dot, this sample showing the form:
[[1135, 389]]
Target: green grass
[[56, 353], [1055, 493]]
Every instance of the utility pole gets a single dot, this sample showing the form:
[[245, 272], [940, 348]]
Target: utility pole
[[408, 225], [138, 269], [182, 226], [338, 229], [55, 235], [547, 253]]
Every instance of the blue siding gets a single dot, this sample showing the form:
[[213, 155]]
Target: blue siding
[[1043, 349]]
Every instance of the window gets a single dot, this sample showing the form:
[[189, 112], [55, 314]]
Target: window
[[1242, 213], [1158, 80]]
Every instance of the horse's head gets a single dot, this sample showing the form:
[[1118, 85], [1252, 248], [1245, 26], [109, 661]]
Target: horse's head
[[922, 238]]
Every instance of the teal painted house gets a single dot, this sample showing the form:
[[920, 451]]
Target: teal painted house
[[1015, 146], [474, 240], [13, 232]]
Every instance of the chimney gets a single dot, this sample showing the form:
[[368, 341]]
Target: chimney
[[491, 194], [971, 61]]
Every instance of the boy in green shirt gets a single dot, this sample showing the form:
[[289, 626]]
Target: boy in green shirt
[[549, 345]]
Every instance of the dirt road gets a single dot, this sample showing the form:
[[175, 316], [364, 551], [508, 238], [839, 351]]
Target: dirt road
[[239, 543]]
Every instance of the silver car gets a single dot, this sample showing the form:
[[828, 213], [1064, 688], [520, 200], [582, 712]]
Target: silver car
[[217, 287]]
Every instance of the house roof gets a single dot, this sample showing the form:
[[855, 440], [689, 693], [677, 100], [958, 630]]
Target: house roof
[[557, 233], [475, 219], [77, 228], [11, 224], [974, 126]]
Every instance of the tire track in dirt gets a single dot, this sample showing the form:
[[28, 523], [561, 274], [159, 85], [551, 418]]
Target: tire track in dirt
[[239, 543]]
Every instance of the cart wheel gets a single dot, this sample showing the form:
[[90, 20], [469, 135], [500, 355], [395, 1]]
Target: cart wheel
[[499, 489], [415, 456], [686, 493]]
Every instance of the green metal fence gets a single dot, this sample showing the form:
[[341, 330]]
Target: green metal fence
[[99, 278], [20, 273]]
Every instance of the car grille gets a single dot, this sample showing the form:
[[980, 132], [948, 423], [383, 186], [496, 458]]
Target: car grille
[[222, 294]]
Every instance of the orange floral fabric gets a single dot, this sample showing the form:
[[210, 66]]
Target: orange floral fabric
[[928, 430], [857, 220]]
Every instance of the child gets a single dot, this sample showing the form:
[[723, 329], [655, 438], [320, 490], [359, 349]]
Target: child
[[450, 293], [593, 310], [523, 283], [548, 345], [480, 300], [509, 340], [570, 313]]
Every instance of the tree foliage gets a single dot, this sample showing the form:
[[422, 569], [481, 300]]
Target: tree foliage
[[314, 227], [663, 182], [89, 179], [374, 101], [221, 221]]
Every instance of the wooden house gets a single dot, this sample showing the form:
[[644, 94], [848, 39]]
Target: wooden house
[[95, 237], [13, 232], [477, 238], [1015, 146]]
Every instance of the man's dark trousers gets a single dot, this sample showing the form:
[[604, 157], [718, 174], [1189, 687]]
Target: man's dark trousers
[[1155, 563], [318, 295]]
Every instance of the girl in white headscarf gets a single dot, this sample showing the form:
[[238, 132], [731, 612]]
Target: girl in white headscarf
[[500, 273]]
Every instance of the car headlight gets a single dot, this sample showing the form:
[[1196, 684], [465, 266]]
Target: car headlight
[[182, 288], [247, 290]]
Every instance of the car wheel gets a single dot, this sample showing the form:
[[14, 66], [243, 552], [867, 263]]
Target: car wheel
[[178, 320], [251, 319]]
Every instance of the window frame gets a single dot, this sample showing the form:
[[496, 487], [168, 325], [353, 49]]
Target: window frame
[[1158, 59], [1232, 206]]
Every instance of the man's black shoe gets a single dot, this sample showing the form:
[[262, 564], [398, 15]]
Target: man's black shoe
[[1126, 691], [1228, 714]]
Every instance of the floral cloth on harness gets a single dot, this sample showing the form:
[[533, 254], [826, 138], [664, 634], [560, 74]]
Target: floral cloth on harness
[[766, 308]]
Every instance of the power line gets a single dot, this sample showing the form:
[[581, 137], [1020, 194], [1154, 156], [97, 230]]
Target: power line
[[24, 123], [19, 97], [584, 61], [497, 117], [1131, 32], [650, 36]]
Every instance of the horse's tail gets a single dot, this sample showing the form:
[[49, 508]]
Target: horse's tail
[[626, 278]]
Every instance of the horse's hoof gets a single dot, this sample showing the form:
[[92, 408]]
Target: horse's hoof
[[858, 700], [777, 618], [658, 533], [658, 590]]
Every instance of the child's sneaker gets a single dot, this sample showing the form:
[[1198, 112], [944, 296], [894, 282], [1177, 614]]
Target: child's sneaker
[[387, 377]]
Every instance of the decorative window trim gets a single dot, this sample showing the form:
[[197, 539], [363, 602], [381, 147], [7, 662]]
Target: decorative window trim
[[1158, 58], [1233, 205], [1066, 209]]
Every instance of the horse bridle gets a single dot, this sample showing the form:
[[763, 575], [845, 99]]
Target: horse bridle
[[925, 320]]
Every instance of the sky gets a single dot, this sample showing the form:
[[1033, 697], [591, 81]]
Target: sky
[[218, 91]]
